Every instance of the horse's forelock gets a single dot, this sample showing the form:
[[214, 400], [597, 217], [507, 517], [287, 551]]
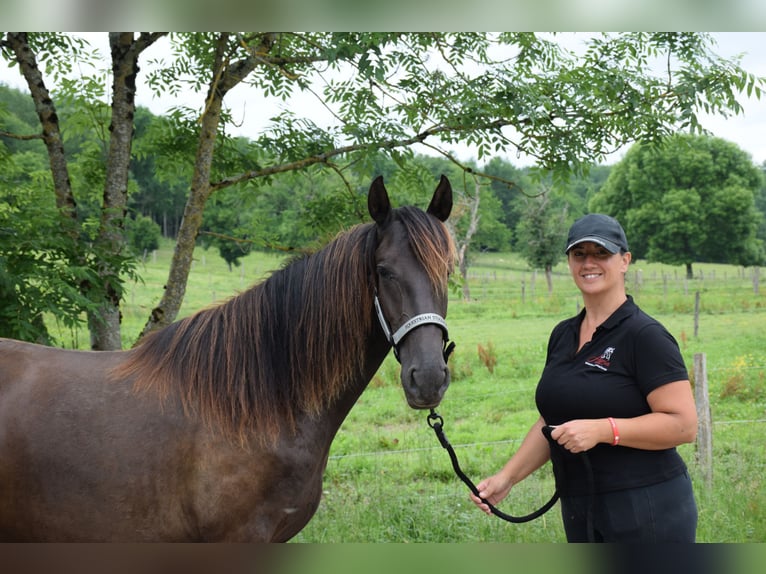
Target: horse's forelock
[[432, 244]]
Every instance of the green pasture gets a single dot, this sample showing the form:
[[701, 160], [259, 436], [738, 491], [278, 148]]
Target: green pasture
[[389, 480]]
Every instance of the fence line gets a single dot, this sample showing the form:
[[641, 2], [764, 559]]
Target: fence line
[[375, 453]]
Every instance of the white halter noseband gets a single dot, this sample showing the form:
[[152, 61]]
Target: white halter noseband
[[415, 322]]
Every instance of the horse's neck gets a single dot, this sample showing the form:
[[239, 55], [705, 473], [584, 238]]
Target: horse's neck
[[377, 350]]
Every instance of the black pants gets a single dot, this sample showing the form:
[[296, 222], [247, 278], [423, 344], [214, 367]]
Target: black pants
[[663, 512]]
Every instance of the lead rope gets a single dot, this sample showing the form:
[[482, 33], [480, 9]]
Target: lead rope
[[436, 422]]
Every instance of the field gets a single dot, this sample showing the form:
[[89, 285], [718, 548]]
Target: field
[[389, 480]]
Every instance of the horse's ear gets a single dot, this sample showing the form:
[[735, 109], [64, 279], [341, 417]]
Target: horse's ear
[[441, 203], [378, 203]]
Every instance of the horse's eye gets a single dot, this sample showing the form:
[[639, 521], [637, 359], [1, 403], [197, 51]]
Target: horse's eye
[[385, 273]]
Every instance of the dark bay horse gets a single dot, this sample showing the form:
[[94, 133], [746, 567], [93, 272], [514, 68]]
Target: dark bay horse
[[218, 427]]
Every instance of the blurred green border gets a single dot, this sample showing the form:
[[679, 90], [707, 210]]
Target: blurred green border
[[384, 558], [401, 15]]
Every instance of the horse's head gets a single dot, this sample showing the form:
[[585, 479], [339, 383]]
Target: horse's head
[[413, 258]]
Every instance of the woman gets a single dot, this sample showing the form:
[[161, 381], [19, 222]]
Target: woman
[[616, 398]]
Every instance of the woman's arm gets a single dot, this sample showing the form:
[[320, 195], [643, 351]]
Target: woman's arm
[[673, 421]]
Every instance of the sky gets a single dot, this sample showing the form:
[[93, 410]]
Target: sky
[[746, 130]]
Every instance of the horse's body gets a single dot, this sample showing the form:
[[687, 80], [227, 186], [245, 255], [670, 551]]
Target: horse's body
[[218, 427]]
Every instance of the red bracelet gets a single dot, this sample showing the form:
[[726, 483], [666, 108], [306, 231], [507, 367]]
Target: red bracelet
[[615, 432]]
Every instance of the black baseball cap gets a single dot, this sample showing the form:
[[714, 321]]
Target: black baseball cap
[[598, 228]]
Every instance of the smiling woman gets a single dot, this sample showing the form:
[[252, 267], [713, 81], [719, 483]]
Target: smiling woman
[[593, 246], [613, 418]]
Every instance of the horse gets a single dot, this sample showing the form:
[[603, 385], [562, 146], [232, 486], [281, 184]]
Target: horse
[[218, 427]]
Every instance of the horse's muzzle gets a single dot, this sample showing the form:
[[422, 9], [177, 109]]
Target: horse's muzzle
[[424, 387]]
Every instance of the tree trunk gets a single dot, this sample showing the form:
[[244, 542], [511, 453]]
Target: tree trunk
[[463, 267], [463, 243], [549, 279], [689, 272], [105, 321], [46, 113], [224, 78]]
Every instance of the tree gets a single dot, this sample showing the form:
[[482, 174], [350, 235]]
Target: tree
[[510, 185], [467, 212], [37, 274], [760, 204], [143, 234], [542, 233], [505, 93], [225, 227], [108, 240], [692, 199]]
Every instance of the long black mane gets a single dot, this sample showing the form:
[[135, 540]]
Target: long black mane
[[268, 354]]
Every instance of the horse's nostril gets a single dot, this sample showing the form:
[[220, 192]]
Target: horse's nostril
[[426, 386]]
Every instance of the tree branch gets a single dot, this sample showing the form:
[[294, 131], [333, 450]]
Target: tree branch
[[20, 136]]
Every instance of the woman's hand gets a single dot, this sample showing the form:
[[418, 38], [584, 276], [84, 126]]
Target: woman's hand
[[492, 489], [581, 435]]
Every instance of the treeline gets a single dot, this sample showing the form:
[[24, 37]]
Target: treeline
[[301, 209], [298, 210], [294, 211]]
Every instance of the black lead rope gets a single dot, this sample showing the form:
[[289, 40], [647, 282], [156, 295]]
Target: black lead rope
[[436, 422]]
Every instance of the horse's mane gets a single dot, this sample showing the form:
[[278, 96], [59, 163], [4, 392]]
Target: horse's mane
[[288, 345]]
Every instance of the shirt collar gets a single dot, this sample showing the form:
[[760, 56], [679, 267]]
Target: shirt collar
[[622, 312]]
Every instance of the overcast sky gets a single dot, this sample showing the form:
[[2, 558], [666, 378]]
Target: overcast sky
[[745, 130]]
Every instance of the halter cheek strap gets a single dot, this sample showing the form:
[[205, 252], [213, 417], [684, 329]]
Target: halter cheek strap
[[414, 323]]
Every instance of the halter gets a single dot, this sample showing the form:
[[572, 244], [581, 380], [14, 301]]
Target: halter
[[414, 323]]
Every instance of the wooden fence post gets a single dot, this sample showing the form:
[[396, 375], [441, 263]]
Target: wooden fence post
[[696, 313], [704, 420]]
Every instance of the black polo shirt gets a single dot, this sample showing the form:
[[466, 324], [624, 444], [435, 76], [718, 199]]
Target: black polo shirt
[[629, 356]]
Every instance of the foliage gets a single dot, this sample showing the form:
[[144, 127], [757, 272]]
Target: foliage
[[504, 93], [542, 231], [143, 234], [690, 200], [226, 226], [39, 272]]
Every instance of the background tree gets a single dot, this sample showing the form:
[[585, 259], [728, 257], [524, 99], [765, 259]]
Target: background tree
[[143, 234], [542, 232], [692, 199], [467, 216], [504, 93], [509, 185], [161, 187], [760, 204]]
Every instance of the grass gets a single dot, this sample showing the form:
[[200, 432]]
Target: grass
[[388, 480]]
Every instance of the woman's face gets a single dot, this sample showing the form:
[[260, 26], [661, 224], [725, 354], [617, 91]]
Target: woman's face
[[596, 270]]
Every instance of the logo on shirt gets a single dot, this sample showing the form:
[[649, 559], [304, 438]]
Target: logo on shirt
[[603, 361]]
